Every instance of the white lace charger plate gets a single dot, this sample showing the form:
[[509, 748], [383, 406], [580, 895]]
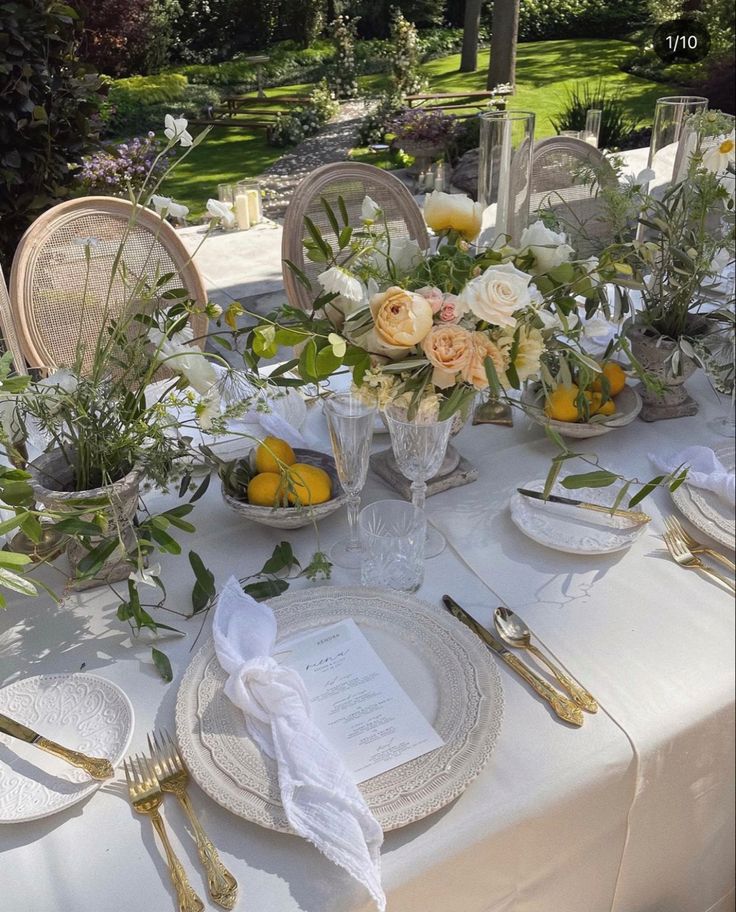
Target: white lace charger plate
[[442, 666], [578, 532], [80, 711], [706, 510]]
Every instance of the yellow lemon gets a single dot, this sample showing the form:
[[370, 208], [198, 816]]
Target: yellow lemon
[[270, 452], [560, 404], [608, 407], [309, 485], [616, 377], [267, 490]]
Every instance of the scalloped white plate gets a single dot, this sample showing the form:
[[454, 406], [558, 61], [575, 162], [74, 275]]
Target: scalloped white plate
[[705, 509], [568, 533], [80, 711], [444, 668]]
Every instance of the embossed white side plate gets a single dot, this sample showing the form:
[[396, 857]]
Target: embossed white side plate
[[80, 711], [443, 667], [577, 532]]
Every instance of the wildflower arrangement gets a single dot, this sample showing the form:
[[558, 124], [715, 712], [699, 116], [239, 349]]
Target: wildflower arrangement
[[112, 172]]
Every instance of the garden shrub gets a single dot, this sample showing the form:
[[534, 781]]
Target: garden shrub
[[128, 36], [549, 19], [140, 103], [404, 56], [48, 108], [617, 125], [292, 128], [375, 124], [342, 74]]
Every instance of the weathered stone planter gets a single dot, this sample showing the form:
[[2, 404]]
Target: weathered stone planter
[[653, 353], [52, 481]]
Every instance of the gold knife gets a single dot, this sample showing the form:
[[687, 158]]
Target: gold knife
[[97, 767], [636, 517], [564, 708]]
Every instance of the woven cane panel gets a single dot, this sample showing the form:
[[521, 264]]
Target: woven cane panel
[[561, 182], [353, 183], [73, 298]]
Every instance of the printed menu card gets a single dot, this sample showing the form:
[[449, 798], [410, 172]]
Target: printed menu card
[[356, 701]]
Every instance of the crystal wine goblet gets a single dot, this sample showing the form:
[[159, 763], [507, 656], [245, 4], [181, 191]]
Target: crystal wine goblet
[[419, 446], [350, 424]]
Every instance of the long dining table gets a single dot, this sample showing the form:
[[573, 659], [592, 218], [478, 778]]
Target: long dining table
[[633, 812]]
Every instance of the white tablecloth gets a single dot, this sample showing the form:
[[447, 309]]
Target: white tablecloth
[[632, 813]]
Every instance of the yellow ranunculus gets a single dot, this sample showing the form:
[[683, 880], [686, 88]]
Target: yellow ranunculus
[[445, 211], [401, 318]]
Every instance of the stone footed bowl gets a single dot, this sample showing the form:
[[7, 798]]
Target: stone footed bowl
[[628, 405], [293, 517]]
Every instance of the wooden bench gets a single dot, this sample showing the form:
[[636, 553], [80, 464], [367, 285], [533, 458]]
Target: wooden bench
[[468, 103]]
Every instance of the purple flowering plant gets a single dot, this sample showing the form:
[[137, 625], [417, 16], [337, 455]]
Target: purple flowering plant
[[421, 125], [118, 170]]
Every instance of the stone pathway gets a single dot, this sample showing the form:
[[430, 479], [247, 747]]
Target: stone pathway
[[331, 144]]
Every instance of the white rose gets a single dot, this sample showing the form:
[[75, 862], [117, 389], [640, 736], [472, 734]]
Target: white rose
[[339, 281], [497, 294], [550, 248], [453, 211]]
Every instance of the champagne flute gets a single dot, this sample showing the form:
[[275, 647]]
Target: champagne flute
[[350, 424], [419, 447]]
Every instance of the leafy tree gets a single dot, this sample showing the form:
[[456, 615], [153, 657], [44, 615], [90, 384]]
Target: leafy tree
[[48, 102]]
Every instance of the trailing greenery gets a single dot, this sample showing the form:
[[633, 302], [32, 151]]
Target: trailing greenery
[[617, 124], [48, 105]]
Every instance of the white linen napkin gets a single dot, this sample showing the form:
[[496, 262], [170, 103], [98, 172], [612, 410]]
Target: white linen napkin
[[320, 797], [706, 470]]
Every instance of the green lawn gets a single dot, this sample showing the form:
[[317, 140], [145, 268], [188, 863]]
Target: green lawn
[[545, 69]]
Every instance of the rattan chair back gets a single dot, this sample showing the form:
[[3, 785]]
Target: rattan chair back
[[352, 181], [10, 339], [67, 282], [567, 175]]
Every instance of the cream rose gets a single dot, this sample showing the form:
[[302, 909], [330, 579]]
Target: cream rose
[[402, 318], [497, 293], [528, 352], [475, 372], [448, 349], [452, 309], [550, 248], [453, 211]]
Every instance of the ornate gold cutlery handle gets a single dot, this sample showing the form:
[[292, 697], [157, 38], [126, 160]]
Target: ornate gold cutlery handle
[[187, 898], [579, 694], [222, 885], [97, 767], [564, 708]]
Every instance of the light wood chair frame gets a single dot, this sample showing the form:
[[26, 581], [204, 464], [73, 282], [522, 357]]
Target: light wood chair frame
[[29, 342], [310, 189]]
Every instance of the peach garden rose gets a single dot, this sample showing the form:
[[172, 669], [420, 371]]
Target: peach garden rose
[[402, 318], [449, 349], [484, 347]]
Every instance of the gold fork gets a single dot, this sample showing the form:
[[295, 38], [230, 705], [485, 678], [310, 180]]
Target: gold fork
[[675, 526], [687, 559], [146, 797], [173, 777]]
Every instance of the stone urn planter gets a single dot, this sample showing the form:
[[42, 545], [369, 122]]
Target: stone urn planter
[[52, 480], [654, 353]]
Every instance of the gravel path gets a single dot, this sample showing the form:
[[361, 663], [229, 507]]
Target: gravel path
[[331, 144]]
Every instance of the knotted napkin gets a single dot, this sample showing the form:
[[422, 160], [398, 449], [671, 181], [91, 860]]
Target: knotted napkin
[[319, 795], [706, 470]]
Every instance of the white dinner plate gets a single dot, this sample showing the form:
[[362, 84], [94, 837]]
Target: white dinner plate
[[707, 511], [79, 711], [443, 667], [578, 532]]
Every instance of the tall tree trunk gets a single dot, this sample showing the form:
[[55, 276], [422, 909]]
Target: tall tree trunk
[[471, 27], [504, 36]]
